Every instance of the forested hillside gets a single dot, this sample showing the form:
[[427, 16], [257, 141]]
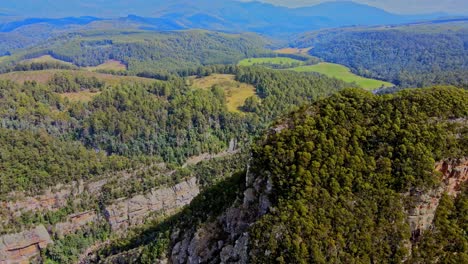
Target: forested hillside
[[134, 121], [146, 51], [409, 56], [333, 182]]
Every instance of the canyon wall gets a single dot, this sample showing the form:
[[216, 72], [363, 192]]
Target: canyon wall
[[133, 211], [21, 247]]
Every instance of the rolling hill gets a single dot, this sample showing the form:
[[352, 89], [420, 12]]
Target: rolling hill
[[412, 55]]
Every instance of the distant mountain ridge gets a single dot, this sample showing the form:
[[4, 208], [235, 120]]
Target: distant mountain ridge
[[233, 16]]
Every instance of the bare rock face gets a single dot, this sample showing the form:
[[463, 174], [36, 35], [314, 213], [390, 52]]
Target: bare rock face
[[19, 248], [76, 222], [421, 216], [51, 200], [133, 211], [226, 239]]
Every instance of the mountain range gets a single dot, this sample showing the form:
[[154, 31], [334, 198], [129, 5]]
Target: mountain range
[[232, 16]]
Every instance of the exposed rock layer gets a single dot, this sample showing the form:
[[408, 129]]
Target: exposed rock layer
[[421, 215], [19, 248], [133, 211]]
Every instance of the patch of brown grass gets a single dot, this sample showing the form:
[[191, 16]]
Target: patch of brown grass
[[47, 58], [110, 65], [293, 51]]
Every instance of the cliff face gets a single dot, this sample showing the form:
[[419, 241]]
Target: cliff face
[[133, 211], [19, 248], [226, 239], [421, 215]]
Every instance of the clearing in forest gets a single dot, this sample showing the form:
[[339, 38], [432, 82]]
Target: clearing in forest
[[236, 92], [47, 58], [303, 51], [280, 61], [343, 73], [110, 65]]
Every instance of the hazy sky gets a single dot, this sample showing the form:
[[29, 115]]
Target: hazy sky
[[395, 6]]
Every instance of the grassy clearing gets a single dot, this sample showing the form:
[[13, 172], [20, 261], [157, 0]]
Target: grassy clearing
[[47, 58], [83, 96], [343, 73], [3, 58], [236, 92], [277, 61], [304, 51], [110, 65], [43, 77]]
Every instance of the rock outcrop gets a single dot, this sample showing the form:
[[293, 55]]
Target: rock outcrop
[[421, 216], [19, 248], [76, 222], [133, 211], [226, 239], [52, 199]]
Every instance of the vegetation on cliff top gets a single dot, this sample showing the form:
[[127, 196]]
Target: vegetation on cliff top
[[338, 171]]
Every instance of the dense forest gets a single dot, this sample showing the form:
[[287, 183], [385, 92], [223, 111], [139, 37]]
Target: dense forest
[[363, 148], [409, 56]]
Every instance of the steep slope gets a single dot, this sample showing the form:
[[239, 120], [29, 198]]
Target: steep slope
[[343, 180]]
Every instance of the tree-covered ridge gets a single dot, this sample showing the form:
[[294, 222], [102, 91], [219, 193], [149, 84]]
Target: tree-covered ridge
[[33, 161], [338, 169], [144, 50], [409, 56]]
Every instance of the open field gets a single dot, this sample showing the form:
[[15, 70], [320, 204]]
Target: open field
[[343, 73], [278, 61], [3, 58], [44, 76], [83, 96], [304, 51], [236, 92], [110, 65], [47, 58]]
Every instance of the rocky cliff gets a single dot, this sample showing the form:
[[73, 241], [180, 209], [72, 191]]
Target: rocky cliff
[[133, 211], [454, 172], [19, 248], [226, 239]]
